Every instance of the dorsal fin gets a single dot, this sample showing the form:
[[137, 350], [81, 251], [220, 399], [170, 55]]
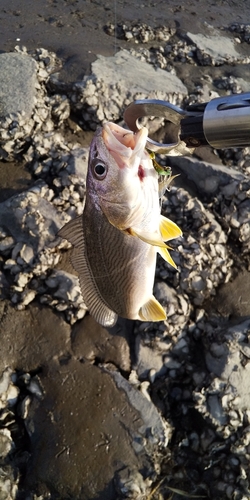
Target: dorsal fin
[[73, 232]]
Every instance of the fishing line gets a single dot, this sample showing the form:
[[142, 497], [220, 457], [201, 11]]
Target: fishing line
[[115, 13]]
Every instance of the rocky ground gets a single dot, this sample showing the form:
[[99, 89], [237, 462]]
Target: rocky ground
[[140, 411]]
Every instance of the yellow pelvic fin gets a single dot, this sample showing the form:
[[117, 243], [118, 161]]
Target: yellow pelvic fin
[[166, 256], [151, 238], [152, 311], [169, 229]]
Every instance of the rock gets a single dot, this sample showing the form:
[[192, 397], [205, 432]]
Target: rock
[[215, 49], [65, 286], [131, 484], [86, 422], [196, 278], [18, 84], [7, 244], [6, 443], [225, 400], [30, 218], [90, 439], [112, 84], [208, 178], [5, 380], [33, 337], [8, 483], [149, 359], [232, 298], [78, 163], [92, 342], [145, 80], [242, 29], [32, 223]]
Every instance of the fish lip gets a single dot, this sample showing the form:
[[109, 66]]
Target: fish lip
[[129, 148]]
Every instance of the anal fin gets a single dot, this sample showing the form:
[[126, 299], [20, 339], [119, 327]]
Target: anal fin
[[169, 229], [152, 311]]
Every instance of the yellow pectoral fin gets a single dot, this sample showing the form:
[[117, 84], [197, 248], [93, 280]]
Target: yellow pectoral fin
[[169, 229], [166, 256], [150, 238], [152, 311]]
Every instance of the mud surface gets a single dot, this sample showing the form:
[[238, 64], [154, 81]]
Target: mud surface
[[74, 29]]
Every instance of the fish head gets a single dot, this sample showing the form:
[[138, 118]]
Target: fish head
[[122, 181]]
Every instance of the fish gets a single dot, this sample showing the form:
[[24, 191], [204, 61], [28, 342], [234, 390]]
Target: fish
[[116, 239]]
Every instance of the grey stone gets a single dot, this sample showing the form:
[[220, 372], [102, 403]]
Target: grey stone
[[31, 219], [216, 410], [165, 293], [144, 78], [232, 298], [17, 84], [91, 341], [116, 81], [225, 361], [208, 178], [153, 428], [6, 443], [35, 336], [27, 254], [5, 380], [79, 442], [218, 49], [78, 162], [148, 359]]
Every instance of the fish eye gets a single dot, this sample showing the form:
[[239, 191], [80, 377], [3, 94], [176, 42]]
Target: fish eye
[[100, 169]]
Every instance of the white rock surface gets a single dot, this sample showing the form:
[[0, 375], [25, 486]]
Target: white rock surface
[[115, 81], [135, 76], [17, 84], [215, 49]]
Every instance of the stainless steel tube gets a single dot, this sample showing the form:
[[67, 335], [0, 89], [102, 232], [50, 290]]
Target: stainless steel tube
[[226, 121]]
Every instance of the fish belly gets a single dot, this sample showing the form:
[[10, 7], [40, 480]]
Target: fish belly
[[122, 266]]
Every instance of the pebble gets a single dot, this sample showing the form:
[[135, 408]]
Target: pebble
[[5, 380], [7, 244], [12, 395], [27, 254], [6, 443]]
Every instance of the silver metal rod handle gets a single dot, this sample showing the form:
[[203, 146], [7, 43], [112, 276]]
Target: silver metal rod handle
[[226, 121]]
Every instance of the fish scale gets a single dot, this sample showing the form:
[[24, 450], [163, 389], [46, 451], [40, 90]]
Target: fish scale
[[119, 274]]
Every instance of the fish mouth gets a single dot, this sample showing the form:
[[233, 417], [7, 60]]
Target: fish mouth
[[123, 144]]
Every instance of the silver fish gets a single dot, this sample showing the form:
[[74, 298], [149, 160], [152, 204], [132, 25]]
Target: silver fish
[[121, 230]]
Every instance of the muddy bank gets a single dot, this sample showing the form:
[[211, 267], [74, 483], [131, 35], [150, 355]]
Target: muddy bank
[[75, 29], [128, 412]]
